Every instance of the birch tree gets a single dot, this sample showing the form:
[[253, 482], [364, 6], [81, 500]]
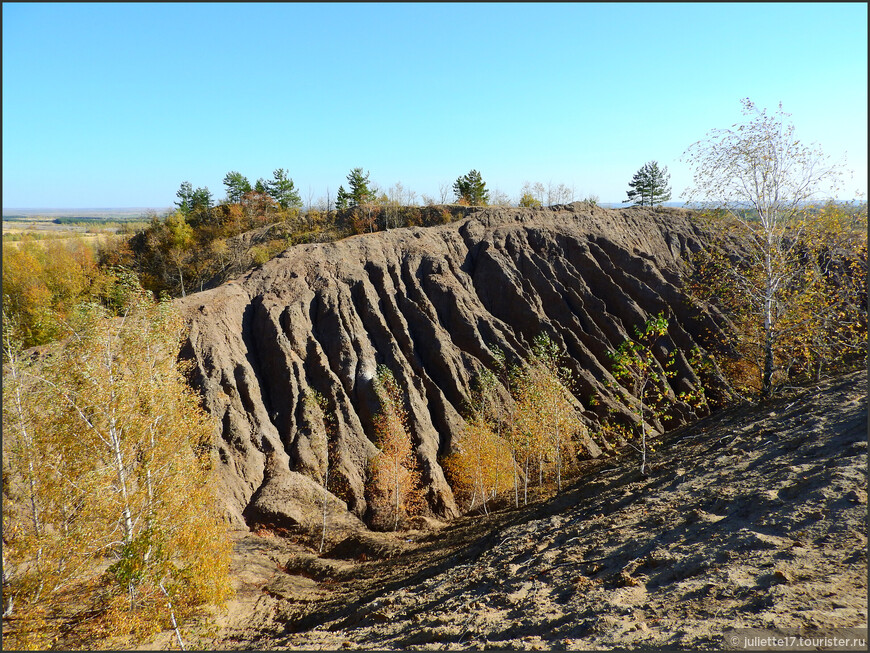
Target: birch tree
[[484, 464], [559, 411], [120, 449], [324, 450], [395, 478], [547, 418], [757, 181], [481, 468], [636, 367]]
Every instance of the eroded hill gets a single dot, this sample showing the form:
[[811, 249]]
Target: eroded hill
[[430, 303]]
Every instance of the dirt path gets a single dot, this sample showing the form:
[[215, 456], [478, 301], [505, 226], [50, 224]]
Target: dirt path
[[754, 518]]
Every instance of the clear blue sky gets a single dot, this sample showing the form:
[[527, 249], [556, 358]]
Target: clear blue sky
[[114, 105]]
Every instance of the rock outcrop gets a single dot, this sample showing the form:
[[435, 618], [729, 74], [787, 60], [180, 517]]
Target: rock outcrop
[[429, 303]]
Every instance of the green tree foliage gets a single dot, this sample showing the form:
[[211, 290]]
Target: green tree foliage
[[173, 240], [360, 207], [107, 500], [829, 321], [342, 199], [756, 181], [394, 479], [649, 185], [178, 254], [168, 258], [237, 186], [201, 204], [164, 255], [195, 205], [284, 192], [185, 197], [191, 201], [637, 369], [470, 189], [359, 192]]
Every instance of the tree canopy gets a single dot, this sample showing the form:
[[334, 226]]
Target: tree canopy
[[649, 185], [528, 200], [471, 189], [756, 181], [237, 186], [283, 190], [359, 192], [107, 488]]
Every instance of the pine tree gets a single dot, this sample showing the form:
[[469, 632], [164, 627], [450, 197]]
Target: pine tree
[[359, 193], [470, 189], [237, 186], [283, 191], [342, 199], [185, 197], [201, 204], [649, 185]]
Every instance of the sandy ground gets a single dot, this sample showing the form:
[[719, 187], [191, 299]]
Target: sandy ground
[[753, 518]]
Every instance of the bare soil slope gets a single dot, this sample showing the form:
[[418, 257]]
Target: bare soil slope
[[429, 303], [755, 517]]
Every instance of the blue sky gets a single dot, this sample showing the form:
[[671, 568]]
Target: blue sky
[[114, 105]]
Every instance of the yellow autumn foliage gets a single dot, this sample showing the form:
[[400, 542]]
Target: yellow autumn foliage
[[482, 468], [109, 512], [394, 479]]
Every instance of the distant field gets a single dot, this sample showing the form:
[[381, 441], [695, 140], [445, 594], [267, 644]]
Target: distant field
[[15, 237], [83, 214], [33, 224]]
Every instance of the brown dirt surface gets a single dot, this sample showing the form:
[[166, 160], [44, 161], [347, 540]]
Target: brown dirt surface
[[755, 517]]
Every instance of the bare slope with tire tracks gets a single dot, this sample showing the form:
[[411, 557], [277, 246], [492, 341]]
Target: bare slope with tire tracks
[[751, 518]]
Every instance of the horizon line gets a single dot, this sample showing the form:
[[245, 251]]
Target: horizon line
[[103, 209]]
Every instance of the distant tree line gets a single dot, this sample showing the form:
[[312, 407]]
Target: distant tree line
[[469, 189], [199, 243]]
